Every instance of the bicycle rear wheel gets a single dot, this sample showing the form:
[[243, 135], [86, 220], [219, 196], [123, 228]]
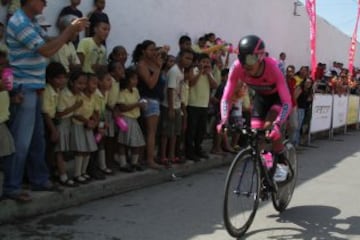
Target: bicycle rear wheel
[[242, 190], [282, 197]]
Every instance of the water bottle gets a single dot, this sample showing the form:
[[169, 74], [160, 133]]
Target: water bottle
[[121, 123], [267, 159], [7, 78], [99, 136]]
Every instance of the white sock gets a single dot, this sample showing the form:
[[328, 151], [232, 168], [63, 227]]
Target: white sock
[[134, 159], [122, 161], [101, 159], [63, 177], [78, 163], [85, 165]]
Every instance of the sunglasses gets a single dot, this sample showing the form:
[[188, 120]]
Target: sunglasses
[[249, 59]]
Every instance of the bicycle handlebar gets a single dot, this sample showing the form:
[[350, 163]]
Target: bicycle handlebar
[[246, 130]]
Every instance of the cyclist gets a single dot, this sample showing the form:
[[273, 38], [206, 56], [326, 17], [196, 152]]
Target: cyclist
[[272, 100]]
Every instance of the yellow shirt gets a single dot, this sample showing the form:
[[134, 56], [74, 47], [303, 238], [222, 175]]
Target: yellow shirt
[[66, 100], [217, 74], [101, 100], [93, 54], [113, 93], [199, 94], [127, 97], [87, 109], [4, 106], [4, 48], [66, 55], [298, 80], [50, 101]]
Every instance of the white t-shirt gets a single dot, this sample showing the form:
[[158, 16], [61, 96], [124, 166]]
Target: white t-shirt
[[174, 77]]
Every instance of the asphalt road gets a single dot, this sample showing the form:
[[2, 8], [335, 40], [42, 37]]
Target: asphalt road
[[325, 206]]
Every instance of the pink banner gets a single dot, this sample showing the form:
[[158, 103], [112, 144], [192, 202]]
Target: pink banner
[[352, 50], [311, 10]]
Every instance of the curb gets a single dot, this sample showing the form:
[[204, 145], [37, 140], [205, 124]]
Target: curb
[[47, 202]]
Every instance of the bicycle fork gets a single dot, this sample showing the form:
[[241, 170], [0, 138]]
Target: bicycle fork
[[249, 192]]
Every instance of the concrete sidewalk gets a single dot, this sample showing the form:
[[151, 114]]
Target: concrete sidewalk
[[46, 202]]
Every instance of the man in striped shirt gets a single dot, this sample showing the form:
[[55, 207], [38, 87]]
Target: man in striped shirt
[[28, 50]]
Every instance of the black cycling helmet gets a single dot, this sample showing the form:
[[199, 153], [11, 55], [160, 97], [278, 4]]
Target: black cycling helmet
[[251, 50]]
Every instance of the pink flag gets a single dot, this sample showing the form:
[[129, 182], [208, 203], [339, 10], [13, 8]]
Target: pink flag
[[311, 10], [353, 44]]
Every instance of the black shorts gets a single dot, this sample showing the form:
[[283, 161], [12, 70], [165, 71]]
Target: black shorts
[[263, 103]]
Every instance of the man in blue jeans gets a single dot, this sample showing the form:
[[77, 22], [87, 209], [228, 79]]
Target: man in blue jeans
[[28, 50]]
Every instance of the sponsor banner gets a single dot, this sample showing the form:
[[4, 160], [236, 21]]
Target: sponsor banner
[[321, 113], [353, 110], [339, 111]]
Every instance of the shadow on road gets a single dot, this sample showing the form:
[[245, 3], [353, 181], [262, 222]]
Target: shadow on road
[[313, 222]]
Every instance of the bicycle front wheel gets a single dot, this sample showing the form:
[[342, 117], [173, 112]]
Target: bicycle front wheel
[[242, 190], [282, 197]]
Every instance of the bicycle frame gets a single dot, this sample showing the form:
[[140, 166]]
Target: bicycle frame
[[253, 142]]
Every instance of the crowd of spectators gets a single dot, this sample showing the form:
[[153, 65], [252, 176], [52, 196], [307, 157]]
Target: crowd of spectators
[[75, 100]]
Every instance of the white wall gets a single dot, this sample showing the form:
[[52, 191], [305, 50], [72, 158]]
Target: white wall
[[164, 21]]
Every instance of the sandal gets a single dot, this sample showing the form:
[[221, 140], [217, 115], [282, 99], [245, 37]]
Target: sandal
[[81, 180], [177, 160], [86, 176], [230, 151], [107, 171], [68, 183], [155, 166]]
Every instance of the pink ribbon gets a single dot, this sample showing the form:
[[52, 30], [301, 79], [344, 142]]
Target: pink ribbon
[[311, 10]]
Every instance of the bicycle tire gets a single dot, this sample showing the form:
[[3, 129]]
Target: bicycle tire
[[282, 197], [238, 223]]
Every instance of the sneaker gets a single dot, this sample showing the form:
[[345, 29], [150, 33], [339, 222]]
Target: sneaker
[[281, 172]]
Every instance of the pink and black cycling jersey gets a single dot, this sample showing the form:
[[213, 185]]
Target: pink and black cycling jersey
[[269, 83]]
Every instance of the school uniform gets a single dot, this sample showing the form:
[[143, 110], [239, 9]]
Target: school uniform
[[50, 99], [82, 139], [66, 99], [6, 139], [100, 101], [134, 136], [111, 131]]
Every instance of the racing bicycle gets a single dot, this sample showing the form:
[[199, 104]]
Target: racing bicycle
[[250, 181]]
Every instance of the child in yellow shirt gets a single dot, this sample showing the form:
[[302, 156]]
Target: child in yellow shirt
[[85, 120], [6, 140], [129, 105], [92, 51], [102, 95], [68, 103], [117, 72], [55, 82]]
